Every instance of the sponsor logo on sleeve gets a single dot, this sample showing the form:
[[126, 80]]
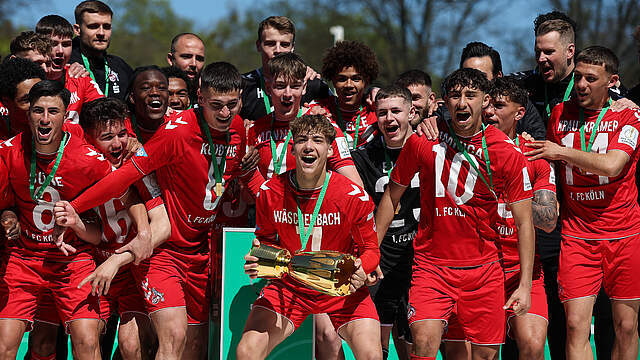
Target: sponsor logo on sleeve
[[629, 136], [525, 178], [343, 148]]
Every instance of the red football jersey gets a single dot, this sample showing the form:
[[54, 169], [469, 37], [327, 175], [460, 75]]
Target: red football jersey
[[260, 137], [80, 167], [179, 153], [542, 177], [597, 207], [345, 221], [83, 90], [368, 122], [6, 195], [458, 212]]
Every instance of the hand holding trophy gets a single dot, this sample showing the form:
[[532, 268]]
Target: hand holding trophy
[[329, 272]]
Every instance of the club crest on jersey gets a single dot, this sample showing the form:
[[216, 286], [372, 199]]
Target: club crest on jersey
[[141, 152], [411, 312], [151, 294]]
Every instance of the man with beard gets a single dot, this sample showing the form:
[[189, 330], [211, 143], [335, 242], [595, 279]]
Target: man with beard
[[93, 31], [276, 34], [422, 95], [187, 54]]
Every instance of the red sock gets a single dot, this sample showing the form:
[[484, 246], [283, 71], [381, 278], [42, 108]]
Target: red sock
[[35, 356], [416, 357]]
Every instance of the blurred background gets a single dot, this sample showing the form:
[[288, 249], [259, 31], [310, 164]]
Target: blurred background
[[424, 34]]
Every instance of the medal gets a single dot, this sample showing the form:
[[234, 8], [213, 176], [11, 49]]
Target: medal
[[218, 169]]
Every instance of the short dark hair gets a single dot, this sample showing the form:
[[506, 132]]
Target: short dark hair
[[599, 55], [306, 124], [350, 53], [221, 76], [49, 88], [102, 112], [466, 77], [281, 23], [29, 40], [174, 72], [508, 87], [394, 91], [480, 49], [553, 15], [91, 7], [13, 71], [52, 25], [177, 38], [289, 65], [139, 70], [413, 77]]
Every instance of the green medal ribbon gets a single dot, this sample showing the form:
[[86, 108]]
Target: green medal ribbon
[[343, 127], [218, 170], [567, 92], [136, 128], [32, 175], [277, 160], [304, 235], [106, 74], [517, 141], [485, 151], [594, 131], [265, 97], [387, 159]]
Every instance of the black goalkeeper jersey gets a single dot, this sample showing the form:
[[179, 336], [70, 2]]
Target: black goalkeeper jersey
[[397, 246]]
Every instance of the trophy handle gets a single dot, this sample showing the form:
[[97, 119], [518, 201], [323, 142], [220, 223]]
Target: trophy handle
[[273, 261]]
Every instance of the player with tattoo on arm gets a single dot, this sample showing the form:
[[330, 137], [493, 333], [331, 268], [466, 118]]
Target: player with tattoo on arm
[[596, 154]]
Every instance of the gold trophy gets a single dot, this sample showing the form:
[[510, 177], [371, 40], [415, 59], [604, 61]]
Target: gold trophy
[[326, 271]]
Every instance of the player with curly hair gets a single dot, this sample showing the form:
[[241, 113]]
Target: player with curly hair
[[351, 66]]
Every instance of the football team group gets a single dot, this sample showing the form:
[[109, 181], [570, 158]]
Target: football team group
[[484, 221]]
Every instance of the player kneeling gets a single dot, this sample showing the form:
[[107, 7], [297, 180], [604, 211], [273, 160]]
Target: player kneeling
[[348, 210]]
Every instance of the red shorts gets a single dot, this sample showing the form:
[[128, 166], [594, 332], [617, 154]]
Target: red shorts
[[296, 305], [476, 295], [538, 294], [172, 280], [124, 296], [25, 279], [586, 265]]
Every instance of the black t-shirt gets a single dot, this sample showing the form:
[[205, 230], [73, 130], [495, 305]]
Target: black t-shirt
[[396, 248], [119, 71], [253, 104]]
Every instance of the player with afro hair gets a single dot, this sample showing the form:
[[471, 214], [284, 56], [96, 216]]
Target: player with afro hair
[[351, 66]]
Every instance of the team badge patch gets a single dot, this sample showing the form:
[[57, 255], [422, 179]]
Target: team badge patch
[[411, 312], [629, 136]]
